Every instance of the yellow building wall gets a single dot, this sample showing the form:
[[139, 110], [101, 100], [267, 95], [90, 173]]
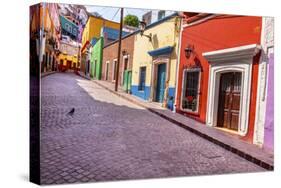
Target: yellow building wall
[[66, 58], [93, 28], [164, 34]]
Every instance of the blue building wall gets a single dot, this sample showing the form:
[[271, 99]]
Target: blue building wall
[[146, 93], [142, 94]]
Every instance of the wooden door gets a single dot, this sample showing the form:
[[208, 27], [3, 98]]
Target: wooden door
[[229, 100], [69, 64], [161, 79], [124, 70]]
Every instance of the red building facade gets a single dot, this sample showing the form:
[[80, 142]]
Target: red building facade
[[218, 71]]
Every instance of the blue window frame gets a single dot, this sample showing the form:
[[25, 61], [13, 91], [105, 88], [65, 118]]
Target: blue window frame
[[142, 78]]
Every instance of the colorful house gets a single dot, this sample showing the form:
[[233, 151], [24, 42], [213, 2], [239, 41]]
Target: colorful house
[[96, 59], [218, 71], [110, 55], [68, 56], [50, 36], [107, 35], [264, 122], [90, 36], [155, 61]]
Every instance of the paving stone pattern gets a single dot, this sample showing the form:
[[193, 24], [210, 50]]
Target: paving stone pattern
[[109, 138]]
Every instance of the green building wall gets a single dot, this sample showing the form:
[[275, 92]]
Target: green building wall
[[96, 59]]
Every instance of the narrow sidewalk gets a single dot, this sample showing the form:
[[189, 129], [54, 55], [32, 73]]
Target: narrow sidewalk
[[226, 140]]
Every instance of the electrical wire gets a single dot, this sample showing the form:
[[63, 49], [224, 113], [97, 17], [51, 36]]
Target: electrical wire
[[127, 12], [115, 14]]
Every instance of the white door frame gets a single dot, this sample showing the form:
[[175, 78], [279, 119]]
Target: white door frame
[[157, 61], [238, 59], [114, 69]]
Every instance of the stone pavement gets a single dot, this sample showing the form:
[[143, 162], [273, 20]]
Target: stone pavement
[[228, 141], [109, 138]]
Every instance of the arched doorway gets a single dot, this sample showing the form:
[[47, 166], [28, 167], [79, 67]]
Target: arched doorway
[[228, 66]]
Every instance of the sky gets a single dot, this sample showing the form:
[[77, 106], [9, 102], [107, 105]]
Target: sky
[[110, 13]]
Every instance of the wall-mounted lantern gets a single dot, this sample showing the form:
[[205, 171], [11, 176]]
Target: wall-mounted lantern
[[142, 28], [124, 52], [188, 51], [196, 61]]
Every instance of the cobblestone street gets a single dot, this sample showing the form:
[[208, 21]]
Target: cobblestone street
[[109, 138]]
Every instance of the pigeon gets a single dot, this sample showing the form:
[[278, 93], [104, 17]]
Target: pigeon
[[71, 112]]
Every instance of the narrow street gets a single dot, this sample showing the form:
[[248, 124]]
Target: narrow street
[[108, 138]]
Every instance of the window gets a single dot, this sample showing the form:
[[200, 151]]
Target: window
[[190, 90], [161, 14], [142, 78]]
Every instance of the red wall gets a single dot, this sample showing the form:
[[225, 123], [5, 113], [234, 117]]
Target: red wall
[[214, 34]]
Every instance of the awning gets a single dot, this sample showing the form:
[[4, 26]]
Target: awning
[[161, 51]]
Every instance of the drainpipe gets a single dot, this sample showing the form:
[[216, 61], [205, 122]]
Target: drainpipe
[[177, 66]]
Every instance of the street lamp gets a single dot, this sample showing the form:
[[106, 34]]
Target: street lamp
[[142, 28]]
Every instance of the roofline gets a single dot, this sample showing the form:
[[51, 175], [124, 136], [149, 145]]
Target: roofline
[[162, 20], [99, 19], [149, 26], [117, 40], [102, 19]]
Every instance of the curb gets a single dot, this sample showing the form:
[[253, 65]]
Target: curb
[[83, 76], [47, 74], [236, 151]]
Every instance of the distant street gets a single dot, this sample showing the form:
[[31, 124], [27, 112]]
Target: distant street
[[108, 138]]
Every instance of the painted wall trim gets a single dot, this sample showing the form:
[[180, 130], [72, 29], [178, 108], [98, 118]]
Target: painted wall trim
[[182, 90], [258, 137], [199, 21], [177, 65], [240, 52], [237, 59], [161, 51]]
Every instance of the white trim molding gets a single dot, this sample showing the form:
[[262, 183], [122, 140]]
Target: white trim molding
[[241, 52], [266, 45], [238, 59], [183, 90]]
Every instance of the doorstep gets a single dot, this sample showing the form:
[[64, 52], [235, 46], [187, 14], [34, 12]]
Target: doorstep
[[224, 139]]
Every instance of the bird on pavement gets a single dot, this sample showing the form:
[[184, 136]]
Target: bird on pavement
[[71, 112]]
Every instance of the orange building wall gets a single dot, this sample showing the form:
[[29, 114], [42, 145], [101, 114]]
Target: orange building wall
[[219, 33]]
